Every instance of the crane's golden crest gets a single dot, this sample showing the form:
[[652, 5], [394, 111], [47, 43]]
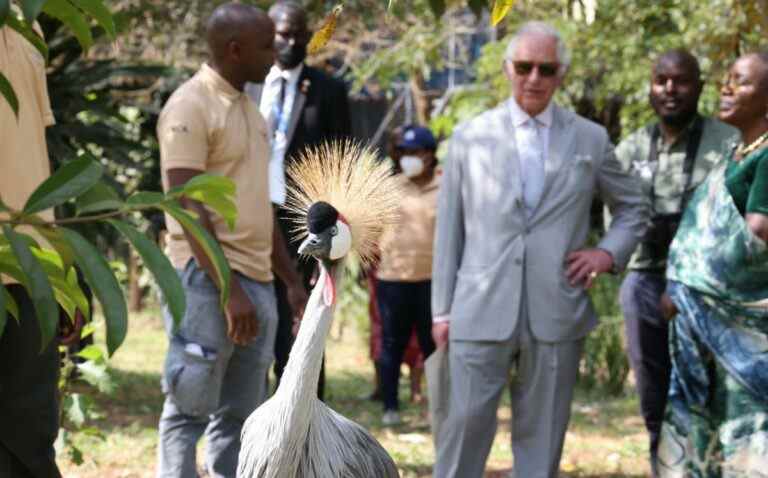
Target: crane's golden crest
[[353, 180]]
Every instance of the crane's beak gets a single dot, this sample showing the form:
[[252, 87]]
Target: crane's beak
[[316, 245]]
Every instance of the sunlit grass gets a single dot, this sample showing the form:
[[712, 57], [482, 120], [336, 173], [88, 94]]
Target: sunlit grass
[[606, 437]]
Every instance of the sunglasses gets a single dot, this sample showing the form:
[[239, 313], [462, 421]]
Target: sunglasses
[[546, 70]]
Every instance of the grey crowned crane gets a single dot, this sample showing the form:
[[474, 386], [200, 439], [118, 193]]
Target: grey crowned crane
[[342, 198]]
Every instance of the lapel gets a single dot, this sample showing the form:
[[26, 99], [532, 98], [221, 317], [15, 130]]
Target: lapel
[[561, 141], [298, 102], [507, 153]]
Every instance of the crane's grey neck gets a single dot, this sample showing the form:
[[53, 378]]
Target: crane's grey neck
[[302, 371]]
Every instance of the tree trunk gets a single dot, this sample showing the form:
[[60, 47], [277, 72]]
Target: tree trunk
[[135, 296], [421, 100]]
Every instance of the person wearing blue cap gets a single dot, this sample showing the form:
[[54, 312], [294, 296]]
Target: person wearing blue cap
[[403, 286]]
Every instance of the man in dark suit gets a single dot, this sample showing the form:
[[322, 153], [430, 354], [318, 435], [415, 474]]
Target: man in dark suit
[[303, 107]]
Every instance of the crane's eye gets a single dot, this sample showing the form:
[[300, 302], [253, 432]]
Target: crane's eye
[[334, 230]]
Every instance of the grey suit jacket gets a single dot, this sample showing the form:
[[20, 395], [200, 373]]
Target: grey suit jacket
[[488, 255]]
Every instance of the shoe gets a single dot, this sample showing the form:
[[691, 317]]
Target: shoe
[[390, 418]]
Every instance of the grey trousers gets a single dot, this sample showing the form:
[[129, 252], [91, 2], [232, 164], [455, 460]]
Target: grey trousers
[[541, 390], [211, 385]]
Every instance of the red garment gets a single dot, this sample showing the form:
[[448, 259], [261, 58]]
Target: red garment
[[412, 356]]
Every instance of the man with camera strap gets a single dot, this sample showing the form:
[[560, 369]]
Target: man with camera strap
[[671, 158]]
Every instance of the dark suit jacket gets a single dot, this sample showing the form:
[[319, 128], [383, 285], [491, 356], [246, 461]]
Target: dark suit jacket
[[320, 113]]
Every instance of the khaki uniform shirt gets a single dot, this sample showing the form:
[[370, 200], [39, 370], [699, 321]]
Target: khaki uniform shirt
[[406, 249], [667, 173], [23, 151], [207, 125]]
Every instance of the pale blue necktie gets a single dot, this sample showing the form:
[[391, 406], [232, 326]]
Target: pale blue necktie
[[531, 153]]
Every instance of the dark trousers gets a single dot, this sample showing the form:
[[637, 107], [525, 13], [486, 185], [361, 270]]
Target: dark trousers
[[284, 336], [29, 411], [647, 343], [403, 306]]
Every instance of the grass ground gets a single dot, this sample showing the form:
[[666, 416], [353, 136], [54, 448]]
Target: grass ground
[[606, 437]]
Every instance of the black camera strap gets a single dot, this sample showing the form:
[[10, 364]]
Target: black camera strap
[[691, 149]]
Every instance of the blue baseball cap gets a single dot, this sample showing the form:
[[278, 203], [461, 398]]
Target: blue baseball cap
[[417, 137]]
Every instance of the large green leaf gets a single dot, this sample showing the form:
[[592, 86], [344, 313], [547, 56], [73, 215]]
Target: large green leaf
[[25, 30], [31, 9], [145, 198], [72, 179], [10, 96], [207, 242], [59, 244], [65, 286], [223, 205], [97, 10], [38, 286], [216, 192], [104, 285], [157, 262], [72, 17], [99, 198]]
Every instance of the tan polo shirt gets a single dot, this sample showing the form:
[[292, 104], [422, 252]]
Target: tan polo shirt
[[406, 249], [23, 151], [207, 125]]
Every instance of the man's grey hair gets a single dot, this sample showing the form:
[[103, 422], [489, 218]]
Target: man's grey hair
[[541, 29]]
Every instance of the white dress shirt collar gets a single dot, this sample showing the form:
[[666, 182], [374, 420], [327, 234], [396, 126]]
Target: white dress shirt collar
[[520, 117], [291, 76]]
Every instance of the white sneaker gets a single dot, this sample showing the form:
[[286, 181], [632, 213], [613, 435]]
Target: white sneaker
[[390, 418]]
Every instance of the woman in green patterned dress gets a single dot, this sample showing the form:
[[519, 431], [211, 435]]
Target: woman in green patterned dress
[[716, 422]]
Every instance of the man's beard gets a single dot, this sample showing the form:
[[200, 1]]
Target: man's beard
[[291, 57], [679, 119]]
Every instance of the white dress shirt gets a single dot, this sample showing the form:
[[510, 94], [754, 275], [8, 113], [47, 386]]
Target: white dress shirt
[[279, 145], [532, 141]]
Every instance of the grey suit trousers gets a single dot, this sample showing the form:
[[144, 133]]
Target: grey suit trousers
[[543, 376]]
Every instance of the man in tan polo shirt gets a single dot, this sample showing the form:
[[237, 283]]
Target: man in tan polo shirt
[[405, 269], [29, 412], [216, 368]]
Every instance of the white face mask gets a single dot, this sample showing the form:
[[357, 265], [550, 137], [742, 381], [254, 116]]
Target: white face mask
[[412, 166]]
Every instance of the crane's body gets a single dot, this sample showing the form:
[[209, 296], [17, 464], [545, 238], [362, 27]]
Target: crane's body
[[293, 434]]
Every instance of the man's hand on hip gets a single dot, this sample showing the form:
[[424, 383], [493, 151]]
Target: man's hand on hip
[[583, 266], [440, 332], [242, 325]]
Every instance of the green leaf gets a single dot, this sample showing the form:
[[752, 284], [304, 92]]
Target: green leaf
[[5, 9], [145, 198], [26, 30], [10, 96], [223, 205], [72, 179], [104, 285], [158, 263], [99, 198], [207, 242], [210, 182], [3, 207], [11, 306], [38, 287], [31, 9], [72, 17], [92, 353], [52, 236], [65, 286], [97, 10]]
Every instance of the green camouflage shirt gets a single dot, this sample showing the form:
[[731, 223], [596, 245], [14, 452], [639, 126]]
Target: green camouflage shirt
[[667, 174]]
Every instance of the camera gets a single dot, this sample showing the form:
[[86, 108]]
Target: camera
[[660, 233]]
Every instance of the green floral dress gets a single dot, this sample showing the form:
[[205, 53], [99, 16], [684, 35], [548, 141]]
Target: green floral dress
[[716, 423]]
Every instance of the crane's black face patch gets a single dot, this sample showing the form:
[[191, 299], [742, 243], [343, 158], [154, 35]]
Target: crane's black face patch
[[321, 216], [318, 245]]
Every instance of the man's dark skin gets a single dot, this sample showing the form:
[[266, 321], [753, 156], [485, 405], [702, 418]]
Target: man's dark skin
[[241, 42], [675, 89], [291, 34]]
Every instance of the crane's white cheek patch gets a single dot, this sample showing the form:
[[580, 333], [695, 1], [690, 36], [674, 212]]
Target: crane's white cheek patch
[[341, 242]]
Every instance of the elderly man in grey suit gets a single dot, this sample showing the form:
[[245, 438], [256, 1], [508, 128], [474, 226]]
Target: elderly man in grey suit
[[511, 268]]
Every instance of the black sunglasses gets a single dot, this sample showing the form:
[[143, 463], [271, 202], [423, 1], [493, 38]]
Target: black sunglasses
[[524, 68]]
